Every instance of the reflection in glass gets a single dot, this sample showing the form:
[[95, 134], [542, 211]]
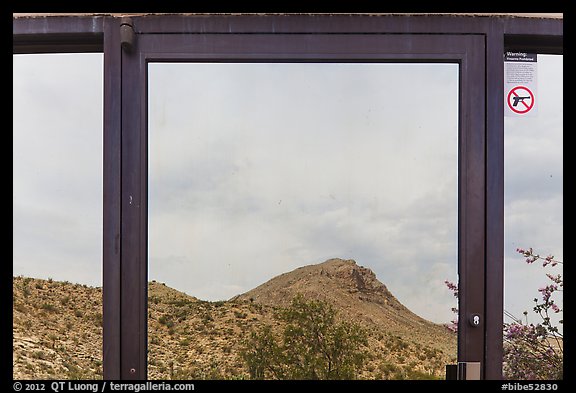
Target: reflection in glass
[[533, 207], [346, 172], [57, 216]]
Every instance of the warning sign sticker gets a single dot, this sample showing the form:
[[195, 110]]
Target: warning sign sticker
[[520, 99], [520, 83]]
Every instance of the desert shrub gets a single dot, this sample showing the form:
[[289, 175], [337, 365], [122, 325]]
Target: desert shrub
[[48, 307], [313, 345], [166, 320], [39, 355], [26, 292], [388, 369], [207, 317], [97, 318], [413, 374]]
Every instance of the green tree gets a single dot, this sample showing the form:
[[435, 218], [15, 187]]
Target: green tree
[[262, 354], [313, 345]]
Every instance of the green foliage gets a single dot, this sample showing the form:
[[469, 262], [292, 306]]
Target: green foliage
[[97, 318], [166, 320], [48, 307], [26, 292], [176, 302], [53, 338], [313, 346], [262, 353], [39, 355]]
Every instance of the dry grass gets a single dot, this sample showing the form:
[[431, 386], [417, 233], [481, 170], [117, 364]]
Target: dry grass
[[58, 327]]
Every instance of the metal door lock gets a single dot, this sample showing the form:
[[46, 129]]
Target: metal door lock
[[475, 320]]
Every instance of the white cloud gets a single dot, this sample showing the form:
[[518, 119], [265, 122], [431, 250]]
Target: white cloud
[[270, 167]]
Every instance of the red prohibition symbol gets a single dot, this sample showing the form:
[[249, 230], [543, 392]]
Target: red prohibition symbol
[[517, 99]]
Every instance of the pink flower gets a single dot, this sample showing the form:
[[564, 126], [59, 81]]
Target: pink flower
[[531, 259], [557, 278], [547, 291]]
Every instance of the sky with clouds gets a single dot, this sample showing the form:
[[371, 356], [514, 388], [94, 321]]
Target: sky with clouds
[[257, 169]]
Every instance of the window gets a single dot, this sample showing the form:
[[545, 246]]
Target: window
[[339, 170], [57, 216], [534, 204]]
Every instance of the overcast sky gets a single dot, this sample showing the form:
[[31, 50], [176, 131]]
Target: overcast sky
[[257, 169], [57, 150]]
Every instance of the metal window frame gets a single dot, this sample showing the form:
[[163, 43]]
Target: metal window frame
[[52, 34], [466, 50]]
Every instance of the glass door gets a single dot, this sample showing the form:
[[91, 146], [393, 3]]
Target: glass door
[[297, 210]]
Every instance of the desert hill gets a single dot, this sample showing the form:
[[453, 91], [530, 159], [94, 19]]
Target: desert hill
[[58, 327], [57, 330], [358, 295]]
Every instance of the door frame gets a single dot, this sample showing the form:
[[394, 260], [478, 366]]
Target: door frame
[[252, 46]]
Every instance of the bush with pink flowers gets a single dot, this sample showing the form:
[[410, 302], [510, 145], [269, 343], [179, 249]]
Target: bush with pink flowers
[[532, 351]]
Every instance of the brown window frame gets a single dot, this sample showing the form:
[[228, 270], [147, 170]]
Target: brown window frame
[[124, 160], [466, 50]]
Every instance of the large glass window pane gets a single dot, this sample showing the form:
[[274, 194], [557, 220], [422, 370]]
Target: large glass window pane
[[334, 181], [533, 219], [57, 216]]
